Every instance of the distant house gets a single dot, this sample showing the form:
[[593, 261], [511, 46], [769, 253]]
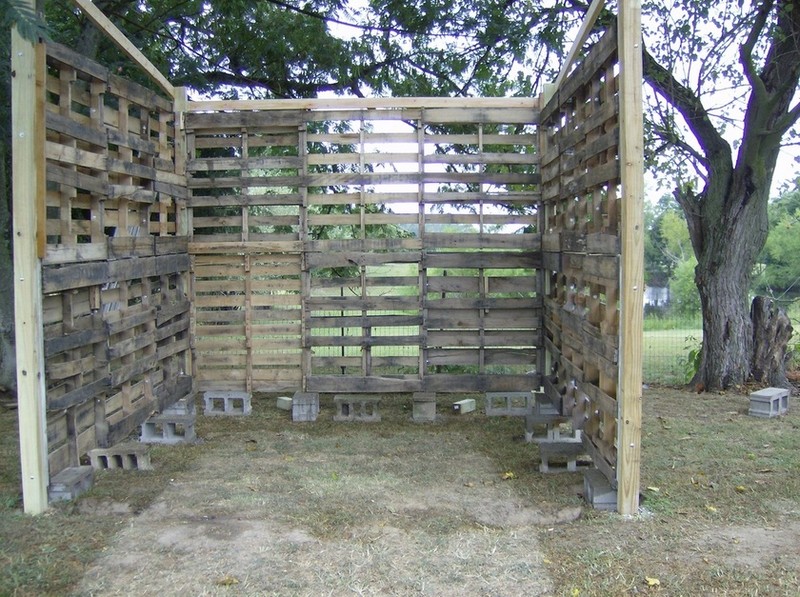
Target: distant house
[[656, 296]]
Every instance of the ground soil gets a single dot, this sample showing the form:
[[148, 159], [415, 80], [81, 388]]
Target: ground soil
[[291, 514]]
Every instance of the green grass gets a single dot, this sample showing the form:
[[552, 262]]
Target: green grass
[[665, 354]]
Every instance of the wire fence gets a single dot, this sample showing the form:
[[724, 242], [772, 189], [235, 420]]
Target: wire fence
[[670, 344]]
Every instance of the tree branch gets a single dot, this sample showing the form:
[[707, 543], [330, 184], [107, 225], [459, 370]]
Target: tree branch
[[688, 104], [746, 50]]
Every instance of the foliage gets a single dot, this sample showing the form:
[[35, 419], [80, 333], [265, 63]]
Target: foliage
[[421, 47], [781, 268], [691, 363], [28, 22], [683, 291]]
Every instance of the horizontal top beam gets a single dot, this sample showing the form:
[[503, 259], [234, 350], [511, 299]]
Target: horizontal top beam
[[357, 103]]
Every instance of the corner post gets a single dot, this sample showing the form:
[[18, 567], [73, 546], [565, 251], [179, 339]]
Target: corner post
[[632, 259], [28, 172]]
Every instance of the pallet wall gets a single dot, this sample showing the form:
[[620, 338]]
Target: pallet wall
[[581, 201], [115, 275], [370, 250]]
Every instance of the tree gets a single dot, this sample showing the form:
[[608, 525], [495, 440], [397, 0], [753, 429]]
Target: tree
[[755, 56], [781, 268]]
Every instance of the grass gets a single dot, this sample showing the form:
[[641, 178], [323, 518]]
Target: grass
[[665, 354], [713, 478]]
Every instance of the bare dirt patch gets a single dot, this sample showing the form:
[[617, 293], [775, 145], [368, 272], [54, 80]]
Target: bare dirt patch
[[315, 513], [753, 546]]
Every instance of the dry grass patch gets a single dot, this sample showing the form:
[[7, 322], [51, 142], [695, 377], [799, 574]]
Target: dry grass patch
[[264, 506]]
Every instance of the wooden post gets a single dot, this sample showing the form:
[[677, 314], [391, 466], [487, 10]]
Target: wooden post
[[27, 82], [632, 248]]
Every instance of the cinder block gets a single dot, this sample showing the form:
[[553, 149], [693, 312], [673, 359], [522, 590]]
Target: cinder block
[[563, 448], [127, 456], [168, 429], [70, 483], [509, 404], [597, 491], [305, 406], [769, 402], [462, 407], [183, 408], [227, 403], [357, 407], [544, 414], [284, 403], [424, 407]]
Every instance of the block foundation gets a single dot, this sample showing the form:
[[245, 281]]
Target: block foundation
[[423, 407], [126, 456], [227, 403], [597, 491], [561, 454], [305, 406], [169, 429], [509, 404], [70, 483], [357, 408]]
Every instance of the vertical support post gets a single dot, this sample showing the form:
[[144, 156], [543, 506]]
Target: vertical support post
[[27, 81], [632, 260], [305, 270]]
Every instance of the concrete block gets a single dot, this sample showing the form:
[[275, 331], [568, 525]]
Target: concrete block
[[284, 403], [462, 407], [169, 429], [357, 407], [544, 415], [227, 403], [126, 456], [424, 407], [305, 406], [183, 408], [769, 402], [70, 483], [563, 448], [597, 491], [509, 404]]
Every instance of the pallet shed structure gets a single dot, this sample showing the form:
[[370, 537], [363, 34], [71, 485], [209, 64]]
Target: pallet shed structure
[[160, 249]]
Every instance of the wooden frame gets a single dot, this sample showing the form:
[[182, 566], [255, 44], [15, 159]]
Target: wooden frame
[[587, 356], [629, 428], [27, 117]]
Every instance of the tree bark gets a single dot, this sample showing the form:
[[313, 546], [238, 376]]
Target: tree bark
[[772, 331], [8, 362]]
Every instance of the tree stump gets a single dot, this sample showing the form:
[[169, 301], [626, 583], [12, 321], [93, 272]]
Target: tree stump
[[772, 331]]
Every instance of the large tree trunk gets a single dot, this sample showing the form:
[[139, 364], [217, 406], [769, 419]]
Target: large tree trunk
[[732, 236], [772, 331]]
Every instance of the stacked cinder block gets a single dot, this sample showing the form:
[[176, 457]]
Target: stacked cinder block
[[546, 415], [561, 449], [227, 403], [173, 426]]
